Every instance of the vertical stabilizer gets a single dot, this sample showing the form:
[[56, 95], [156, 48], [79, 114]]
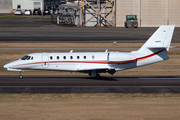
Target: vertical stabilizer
[[160, 39]]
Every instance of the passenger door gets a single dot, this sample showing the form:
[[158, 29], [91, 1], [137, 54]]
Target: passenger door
[[45, 61]]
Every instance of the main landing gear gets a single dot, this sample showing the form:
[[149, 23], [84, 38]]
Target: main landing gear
[[97, 76], [20, 75], [94, 74]]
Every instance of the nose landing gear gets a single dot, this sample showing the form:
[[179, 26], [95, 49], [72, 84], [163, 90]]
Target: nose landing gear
[[20, 75]]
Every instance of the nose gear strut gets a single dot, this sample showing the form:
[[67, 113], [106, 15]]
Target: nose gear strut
[[20, 75]]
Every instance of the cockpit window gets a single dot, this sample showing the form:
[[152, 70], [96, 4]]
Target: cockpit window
[[24, 57], [27, 57]]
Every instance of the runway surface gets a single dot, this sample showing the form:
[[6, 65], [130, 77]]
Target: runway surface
[[71, 48], [42, 30], [88, 81], [86, 84]]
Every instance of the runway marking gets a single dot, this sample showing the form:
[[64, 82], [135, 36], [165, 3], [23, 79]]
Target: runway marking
[[87, 86], [162, 78]]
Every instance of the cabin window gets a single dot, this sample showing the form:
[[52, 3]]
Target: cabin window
[[84, 57], [93, 57], [71, 57], [57, 57], [51, 57], [64, 57], [31, 58], [77, 57]]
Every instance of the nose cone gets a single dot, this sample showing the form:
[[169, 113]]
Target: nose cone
[[10, 65], [6, 66]]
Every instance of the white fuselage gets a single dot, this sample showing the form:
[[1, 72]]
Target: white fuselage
[[83, 61]]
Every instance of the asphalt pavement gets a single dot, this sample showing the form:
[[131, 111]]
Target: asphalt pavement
[[85, 84], [42, 30]]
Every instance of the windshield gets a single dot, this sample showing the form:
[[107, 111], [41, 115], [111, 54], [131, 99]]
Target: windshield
[[131, 17], [27, 57]]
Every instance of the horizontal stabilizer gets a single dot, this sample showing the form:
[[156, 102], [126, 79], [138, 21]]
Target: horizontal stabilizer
[[157, 47]]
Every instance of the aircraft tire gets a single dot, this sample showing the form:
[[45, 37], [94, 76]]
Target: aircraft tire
[[97, 76], [20, 77]]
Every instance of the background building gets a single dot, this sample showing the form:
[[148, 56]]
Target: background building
[[27, 4], [5, 6], [53, 3], [150, 13]]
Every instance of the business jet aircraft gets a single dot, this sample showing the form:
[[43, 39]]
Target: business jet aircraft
[[154, 50]]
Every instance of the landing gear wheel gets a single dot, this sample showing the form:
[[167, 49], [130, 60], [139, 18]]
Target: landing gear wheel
[[20, 77], [89, 74], [97, 76], [94, 74]]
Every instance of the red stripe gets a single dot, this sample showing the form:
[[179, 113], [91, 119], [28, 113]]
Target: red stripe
[[148, 56], [121, 62]]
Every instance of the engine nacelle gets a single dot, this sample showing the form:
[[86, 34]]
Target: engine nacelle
[[120, 58]]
